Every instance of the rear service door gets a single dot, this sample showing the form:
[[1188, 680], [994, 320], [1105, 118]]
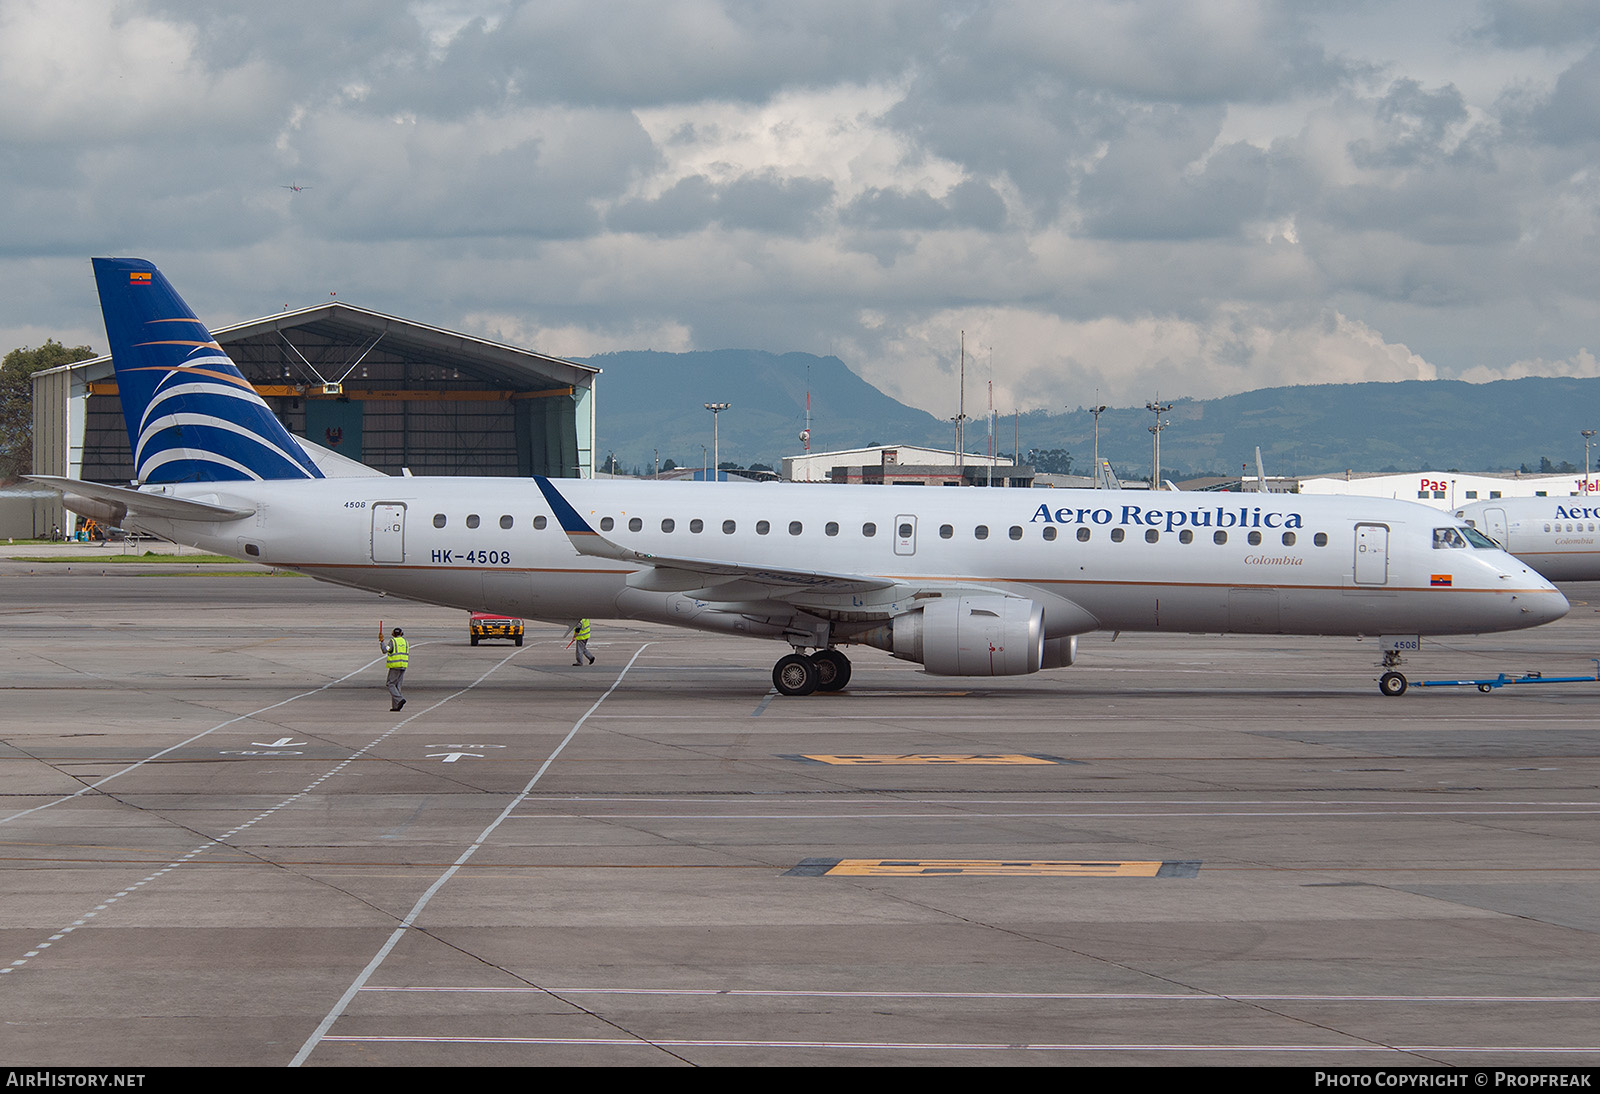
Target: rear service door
[[388, 532]]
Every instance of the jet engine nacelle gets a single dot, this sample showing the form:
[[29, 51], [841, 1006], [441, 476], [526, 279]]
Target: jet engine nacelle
[[972, 636]]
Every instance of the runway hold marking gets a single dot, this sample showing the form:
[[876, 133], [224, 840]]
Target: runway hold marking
[[888, 867], [932, 759]]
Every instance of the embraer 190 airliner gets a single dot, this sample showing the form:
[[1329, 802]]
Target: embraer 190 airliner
[[1556, 536], [965, 582]]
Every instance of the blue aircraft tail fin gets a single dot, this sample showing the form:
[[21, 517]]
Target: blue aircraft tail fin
[[191, 415]]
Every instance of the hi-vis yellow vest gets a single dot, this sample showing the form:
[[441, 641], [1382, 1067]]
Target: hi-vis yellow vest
[[399, 653], [582, 632]]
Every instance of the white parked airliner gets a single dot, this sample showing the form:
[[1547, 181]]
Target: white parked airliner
[[1556, 536], [966, 582]]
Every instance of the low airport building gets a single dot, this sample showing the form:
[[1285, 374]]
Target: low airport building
[[1448, 489], [906, 465]]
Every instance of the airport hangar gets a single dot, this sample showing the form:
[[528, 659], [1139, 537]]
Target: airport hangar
[[391, 393]]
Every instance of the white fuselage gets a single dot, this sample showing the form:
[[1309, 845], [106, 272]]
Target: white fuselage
[[1288, 564], [1558, 537]]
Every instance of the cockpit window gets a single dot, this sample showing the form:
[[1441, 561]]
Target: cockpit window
[[1448, 539], [1478, 539]]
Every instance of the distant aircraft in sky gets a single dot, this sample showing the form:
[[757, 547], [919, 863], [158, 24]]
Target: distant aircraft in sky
[[292, 186], [966, 582], [1556, 536]]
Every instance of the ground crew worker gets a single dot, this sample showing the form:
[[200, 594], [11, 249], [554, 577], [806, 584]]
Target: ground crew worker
[[581, 634], [398, 653]]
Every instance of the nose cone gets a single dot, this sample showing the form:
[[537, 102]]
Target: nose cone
[[1543, 606]]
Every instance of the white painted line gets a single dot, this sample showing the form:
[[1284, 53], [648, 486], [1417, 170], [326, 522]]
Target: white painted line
[[264, 814], [975, 1046], [203, 733], [1001, 996], [321, 1032]]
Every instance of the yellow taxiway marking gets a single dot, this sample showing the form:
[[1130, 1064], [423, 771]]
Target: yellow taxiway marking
[[869, 867], [915, 758]]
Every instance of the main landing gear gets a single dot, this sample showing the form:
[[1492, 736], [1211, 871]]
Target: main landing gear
[[1392, 682], [798, 674]]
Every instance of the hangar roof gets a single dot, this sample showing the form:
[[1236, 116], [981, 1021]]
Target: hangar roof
[[343, 325]]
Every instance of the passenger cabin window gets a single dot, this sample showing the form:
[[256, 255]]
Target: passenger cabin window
[[1116, 535], [1254, 538], [506, 522], [1320, 539], [438, 520], [1049, 532], [668, 525], [1219, 537], [869, 529], [905, 531], [729, 527], [795, 528], [1186, 536], [1083, 535], [696, 526], [539, 523], [981, 531], [635, 524], [762, 527], [1152, 534], [606, 524], [472, 521], [1016, 531], [1288, 539], [946, 531], [831, 528]]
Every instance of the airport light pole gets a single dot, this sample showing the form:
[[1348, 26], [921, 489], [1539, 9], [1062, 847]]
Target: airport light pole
[[1587, 435], [1155, 469], [1097, 411], [716, 439]]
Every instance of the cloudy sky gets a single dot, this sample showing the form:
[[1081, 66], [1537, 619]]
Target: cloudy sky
[[1123, 196]]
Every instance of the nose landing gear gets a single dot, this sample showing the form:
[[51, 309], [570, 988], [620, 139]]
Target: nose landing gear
[[1394, 681]]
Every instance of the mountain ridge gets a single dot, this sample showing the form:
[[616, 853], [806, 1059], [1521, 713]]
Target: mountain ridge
[[650, 403]]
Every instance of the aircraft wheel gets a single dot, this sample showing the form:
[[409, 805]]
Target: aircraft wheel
[[1392, 683], [795, 675], [833, 670]]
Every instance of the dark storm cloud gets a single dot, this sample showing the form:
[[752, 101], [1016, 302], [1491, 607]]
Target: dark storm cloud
[[535, 176], [970, 204], [763, 201], [1153, 184], [1517, 24], [1571, 113], [645, 54], [1036, 96], [1417, 126]]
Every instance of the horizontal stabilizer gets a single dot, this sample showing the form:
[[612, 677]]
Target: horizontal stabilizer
[[139, 503]]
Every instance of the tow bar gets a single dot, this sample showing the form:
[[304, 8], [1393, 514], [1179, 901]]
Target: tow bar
[[1489, 683]]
